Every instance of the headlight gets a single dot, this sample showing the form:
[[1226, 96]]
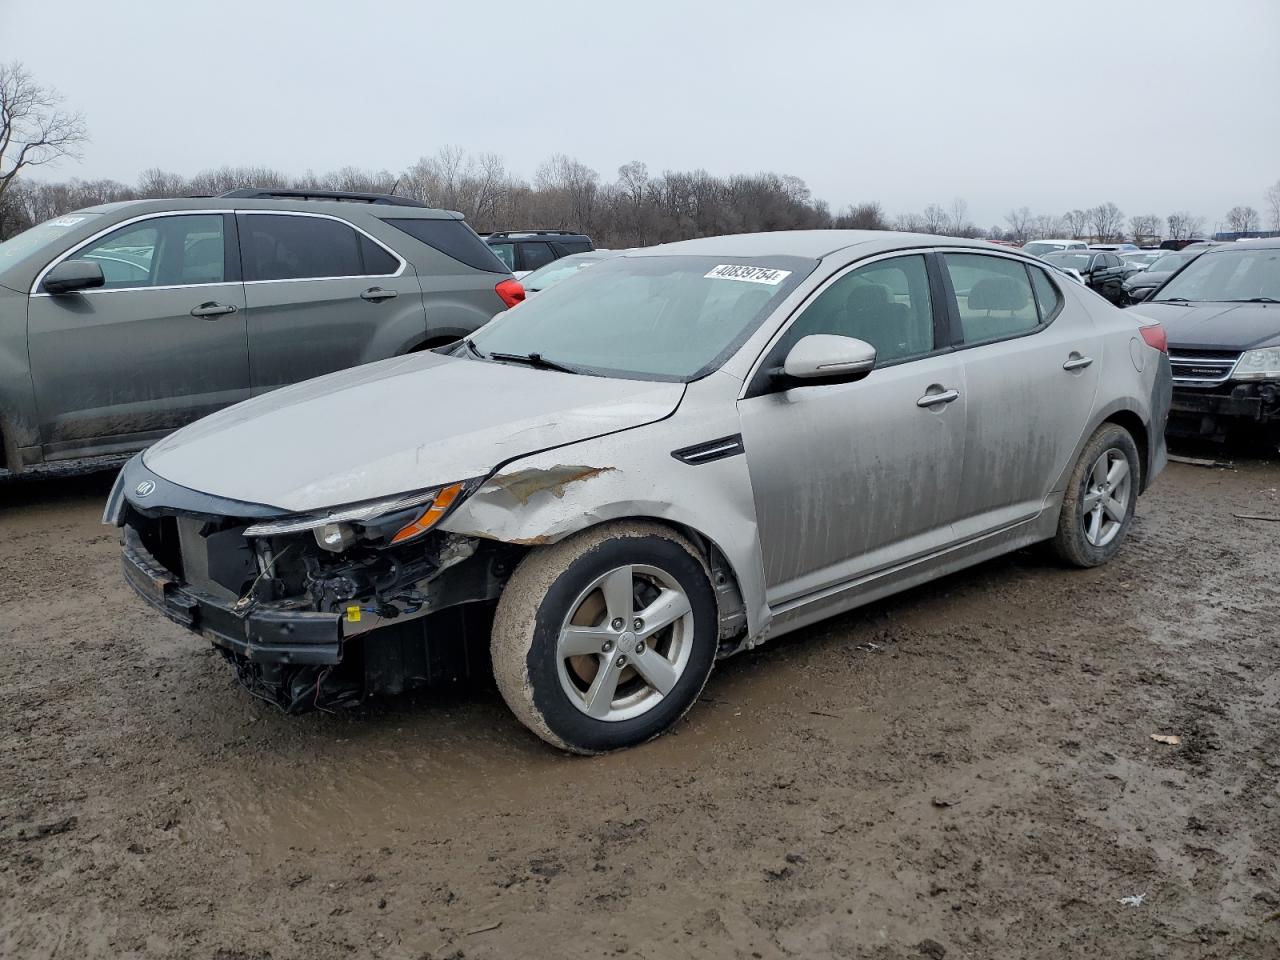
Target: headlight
[[1258, 365], [393, 520]]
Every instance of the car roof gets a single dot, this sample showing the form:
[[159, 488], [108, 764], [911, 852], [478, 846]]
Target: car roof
[[340, 208], [1255, 243], [814, 244]]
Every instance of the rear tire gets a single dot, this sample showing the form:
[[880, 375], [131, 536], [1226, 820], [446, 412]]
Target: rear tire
[[1101, 497], [605, 640]]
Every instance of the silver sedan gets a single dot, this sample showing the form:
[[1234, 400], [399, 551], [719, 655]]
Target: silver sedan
[[679, 454]]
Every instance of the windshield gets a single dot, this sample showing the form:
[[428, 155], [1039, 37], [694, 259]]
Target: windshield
[[561, 269], [1078, 261], [648, 318], [1169, 263], [29, 241], [1040, 248], [1226, 276], [1144, 257]]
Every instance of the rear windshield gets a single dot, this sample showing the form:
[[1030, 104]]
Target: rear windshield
[[648, 318], [29, 241], [1039, 249], [1078, 261], [454, 239]]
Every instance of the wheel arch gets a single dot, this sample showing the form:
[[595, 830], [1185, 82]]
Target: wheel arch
[[1138, 429]]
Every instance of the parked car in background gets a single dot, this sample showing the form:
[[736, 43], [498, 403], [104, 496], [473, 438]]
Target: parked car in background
[[1139, 286], [122, 322], [1141, 259], [1038, 248], [1101, 272], [1182, 244], [524, 251], [680, 453], [1222, 314], [563, 269], [1113, 247]]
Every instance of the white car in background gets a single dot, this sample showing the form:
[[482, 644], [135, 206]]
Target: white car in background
[[1038, 248]]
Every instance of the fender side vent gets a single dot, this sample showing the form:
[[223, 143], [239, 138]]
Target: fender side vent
[[711, 450]]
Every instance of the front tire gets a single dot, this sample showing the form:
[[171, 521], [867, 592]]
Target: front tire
[[605, 640], [1101, 497]]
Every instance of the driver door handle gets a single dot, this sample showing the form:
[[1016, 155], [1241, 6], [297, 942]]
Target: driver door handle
[[211, 310], [376, 294], [1077, 363], [933, 399]]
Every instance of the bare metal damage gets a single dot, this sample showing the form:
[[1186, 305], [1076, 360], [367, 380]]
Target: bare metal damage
[[547, 496]]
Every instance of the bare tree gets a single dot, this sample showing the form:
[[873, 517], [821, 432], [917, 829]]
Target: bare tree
[[935, 219], [1077, 223], [1019, 222], [1107, 221], [1273, 204], [1182, 224], [861, 216], [33, 128], [1046, 225], [1242, 219], [1144, 227]]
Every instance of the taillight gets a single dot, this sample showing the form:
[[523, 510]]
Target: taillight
[[511, 291], [1155, 336]]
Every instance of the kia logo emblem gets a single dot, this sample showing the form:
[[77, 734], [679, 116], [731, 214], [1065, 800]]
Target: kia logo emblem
[[144, 488]]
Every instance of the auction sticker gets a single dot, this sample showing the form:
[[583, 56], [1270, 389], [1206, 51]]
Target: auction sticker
[[731, 271]]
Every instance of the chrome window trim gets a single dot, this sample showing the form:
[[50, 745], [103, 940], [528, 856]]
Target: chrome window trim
[[325, 216], [69, 254]]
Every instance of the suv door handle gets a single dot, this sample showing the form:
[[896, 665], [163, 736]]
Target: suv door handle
[[376, 294], [211, 310], [1077, 362], [933, 399]]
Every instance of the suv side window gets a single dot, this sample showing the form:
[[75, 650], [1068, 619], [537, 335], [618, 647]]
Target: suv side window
[[506, 252], [536, 255], [284, 247], [993, 296], [885, 303], [161, 252]]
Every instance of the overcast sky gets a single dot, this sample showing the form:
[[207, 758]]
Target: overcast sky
[[1153, 105]]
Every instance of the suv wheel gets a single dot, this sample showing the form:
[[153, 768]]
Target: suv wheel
[[605, 639]]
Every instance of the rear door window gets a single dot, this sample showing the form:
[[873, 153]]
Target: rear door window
[[284, 247], [993, 296], [536, 254], [506, 252], [162, 252]]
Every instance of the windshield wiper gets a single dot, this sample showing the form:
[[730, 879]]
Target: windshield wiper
[[1172, 300], [1255, 300], [474, 349], [532, 360]]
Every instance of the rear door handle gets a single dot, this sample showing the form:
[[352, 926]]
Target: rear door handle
[[1077, 363], [211, 309], [933, 399], [375, 294]]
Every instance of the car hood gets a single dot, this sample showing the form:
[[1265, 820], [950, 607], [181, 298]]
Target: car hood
[[1216, 326], [394, 426], [1145, 278]]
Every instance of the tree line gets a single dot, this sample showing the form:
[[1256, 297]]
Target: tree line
[[635, 208]]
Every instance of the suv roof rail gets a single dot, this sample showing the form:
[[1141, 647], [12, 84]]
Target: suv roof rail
[[537, 233], [256, 193]]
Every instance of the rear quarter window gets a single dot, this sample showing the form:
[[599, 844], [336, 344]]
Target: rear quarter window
[[454, 239]]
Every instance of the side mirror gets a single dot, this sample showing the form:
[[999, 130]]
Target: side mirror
[[72, 275], [1141, 293], [826, 358]]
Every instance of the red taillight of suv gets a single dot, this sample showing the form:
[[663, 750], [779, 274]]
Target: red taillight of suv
[[511, 291], [1155, 336]]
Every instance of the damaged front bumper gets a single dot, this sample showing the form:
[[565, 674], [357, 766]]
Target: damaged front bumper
[[254, 632], [1206, 411]]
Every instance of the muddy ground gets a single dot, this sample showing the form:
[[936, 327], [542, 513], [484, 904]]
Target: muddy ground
[[966, 770]]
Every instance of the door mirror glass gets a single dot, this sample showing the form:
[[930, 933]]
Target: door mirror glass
[[72, 275], [1141, 293], [828, 358]]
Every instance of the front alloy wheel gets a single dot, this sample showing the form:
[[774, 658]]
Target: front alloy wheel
[[605, 639]]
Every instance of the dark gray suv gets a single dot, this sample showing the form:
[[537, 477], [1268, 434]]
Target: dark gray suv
[[122, 322]]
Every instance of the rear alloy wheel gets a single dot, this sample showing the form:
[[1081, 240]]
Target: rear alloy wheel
[[605, 639], [1101, 497]]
